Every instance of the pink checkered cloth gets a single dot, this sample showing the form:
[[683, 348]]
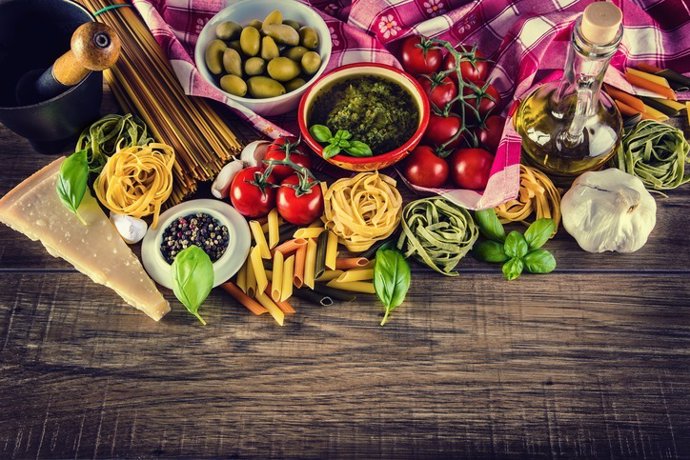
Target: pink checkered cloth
[[525, 38]]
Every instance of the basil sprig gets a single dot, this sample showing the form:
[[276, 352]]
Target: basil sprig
[[192, 278], [342, 140], [391, 279], [516, 251], [72, 181]]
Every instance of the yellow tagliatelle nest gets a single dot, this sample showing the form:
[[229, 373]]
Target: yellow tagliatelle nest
[[137, 180], [362, 210], [537, 195]]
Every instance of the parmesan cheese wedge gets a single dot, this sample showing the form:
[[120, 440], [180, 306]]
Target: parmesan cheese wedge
[[96, 249]]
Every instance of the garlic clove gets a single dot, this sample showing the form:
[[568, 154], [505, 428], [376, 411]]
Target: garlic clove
[[254, 152], [222, 182], [131, 229]]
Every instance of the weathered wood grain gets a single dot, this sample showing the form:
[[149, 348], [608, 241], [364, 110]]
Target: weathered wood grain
[[482, 368]]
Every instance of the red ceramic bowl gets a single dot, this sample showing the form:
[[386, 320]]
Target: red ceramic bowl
[[375, 162]]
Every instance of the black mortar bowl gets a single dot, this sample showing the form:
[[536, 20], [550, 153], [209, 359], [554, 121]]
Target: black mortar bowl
[[33, 33]]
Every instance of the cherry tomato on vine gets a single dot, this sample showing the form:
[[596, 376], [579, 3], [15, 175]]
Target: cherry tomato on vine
[[277, 152], [490, 131], [485, 99], [440, 92], [250, 195], [470, 168], [299, 200], [424, 168], [474, 69], [420, 56], [442, 129]]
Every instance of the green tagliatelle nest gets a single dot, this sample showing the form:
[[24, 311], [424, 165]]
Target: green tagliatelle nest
[[438, 233], [656, 153]]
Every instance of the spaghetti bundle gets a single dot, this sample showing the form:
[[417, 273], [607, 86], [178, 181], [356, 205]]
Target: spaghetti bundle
[[137, 180], [144, 83]]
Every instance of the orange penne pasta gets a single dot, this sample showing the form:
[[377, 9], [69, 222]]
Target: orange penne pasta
[[291, 246], [351, 262], [243, 298], [300, 257], [636, 80], [286, 307], [648, 68], [626, 109], [627, 99]]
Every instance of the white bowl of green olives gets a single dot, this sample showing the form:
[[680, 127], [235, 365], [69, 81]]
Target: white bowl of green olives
[[264, 54]]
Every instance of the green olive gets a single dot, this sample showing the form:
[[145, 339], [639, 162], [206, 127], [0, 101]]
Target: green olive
[[274, 17], [228, 30], [294, 24], [282, 34], [250, 41], [235, 44], [255, 23], [233, 85], [254, 66], [311, 61], [263, 87], [269, 49], [295, 53], [294, 84], [283, 69], [232, 62], [214, 56], [309, 37]]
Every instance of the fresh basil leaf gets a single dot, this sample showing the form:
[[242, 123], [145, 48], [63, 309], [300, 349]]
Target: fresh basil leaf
[[343, 144], [539, 232], [359, 149], [343, 134], [489, 225], [72, 181], [391, 279], [490, 251], [192, 278], [513, 268], [321, 133], [540, 261], [330, 151], [515, 245]]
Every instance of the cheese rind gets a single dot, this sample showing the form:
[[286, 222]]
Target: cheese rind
[[96, 249]]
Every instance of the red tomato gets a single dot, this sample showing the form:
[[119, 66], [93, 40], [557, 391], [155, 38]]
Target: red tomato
[[440, 92], [248, 197], [296, 206], [277, 152], [470, 168], [419, 56], [441, 129], [473, 69], [487, 98], [489, 132], [425, 169]]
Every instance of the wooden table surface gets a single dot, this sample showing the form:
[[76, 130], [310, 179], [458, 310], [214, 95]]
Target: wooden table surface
[[589, 361]]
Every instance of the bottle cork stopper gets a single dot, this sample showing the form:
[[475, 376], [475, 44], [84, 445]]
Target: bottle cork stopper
[[600, 22]]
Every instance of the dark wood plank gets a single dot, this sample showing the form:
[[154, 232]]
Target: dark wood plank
[[482, 368]]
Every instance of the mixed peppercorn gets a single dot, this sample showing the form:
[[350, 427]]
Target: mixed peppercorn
[[198, 229]]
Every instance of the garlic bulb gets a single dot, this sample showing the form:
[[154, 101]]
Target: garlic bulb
[[222, 182], [131, 229], [608, 210], [254, 152]]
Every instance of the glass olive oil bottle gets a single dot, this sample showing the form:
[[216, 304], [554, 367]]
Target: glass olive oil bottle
[[571, 126]]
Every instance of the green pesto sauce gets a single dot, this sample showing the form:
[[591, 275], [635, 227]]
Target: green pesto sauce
[[374, 110]]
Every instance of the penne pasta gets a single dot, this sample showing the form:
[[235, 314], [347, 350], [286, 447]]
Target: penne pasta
[[286, 232], [657, 79], [636, 80], [288, 274], [308, 232], [273, 228], [291, 246], [272, 308], [334, 293], [241, 278], [310, 264], [320, 263], [331, 250], [330, 275], [350, 262], [298, 276], [249, 303], [625, 98], [675, 105], [269, 274], [277, 280], [353, 286], [260, 239], [364, 274], [258, 269], [286, 307], [653, 114], [625, 109], [251, 278]]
